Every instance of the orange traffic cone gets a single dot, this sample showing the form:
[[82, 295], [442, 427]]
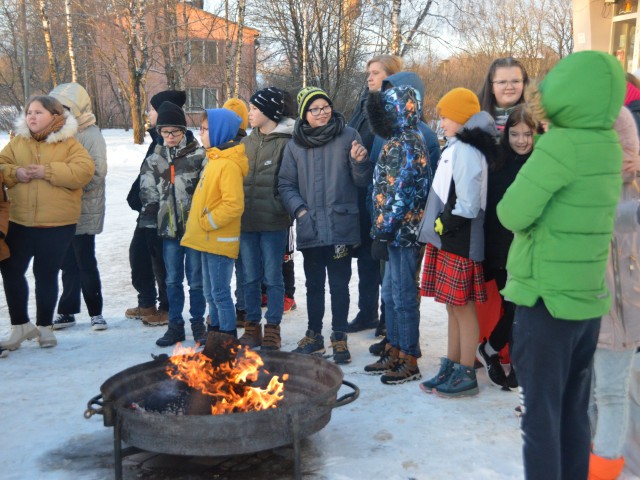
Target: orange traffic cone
[[601, 468]]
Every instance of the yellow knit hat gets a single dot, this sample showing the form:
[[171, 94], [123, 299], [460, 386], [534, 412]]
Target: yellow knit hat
[[307, 96], [459, 105], [238, 107]]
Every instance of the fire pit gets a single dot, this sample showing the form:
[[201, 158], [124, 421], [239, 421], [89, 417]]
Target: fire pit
[[309, 396]]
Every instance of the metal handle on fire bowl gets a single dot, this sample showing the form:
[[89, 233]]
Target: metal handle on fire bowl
[[90, 411], [349, 397]]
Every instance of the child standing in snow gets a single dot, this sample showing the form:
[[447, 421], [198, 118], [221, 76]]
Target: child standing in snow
[[213, 226], [452, 228]]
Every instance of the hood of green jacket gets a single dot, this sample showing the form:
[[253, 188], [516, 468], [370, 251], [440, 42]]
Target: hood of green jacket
[[567, 91]]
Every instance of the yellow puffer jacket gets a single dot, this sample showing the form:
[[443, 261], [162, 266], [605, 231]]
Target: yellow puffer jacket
[[213, 225], [55, 200]]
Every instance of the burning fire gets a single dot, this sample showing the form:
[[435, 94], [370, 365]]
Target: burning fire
[[229, 382]]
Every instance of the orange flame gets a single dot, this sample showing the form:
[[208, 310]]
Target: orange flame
[[227, 383]]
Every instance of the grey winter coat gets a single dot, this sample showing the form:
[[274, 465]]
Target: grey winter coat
[[75, 98], [620, 327], [323, 181], [166, 196], [263, 208]]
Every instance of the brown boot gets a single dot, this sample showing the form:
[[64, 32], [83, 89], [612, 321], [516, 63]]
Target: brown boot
[[271, 339], [160, 317], [601, 468], [405, 370], [387, 361], [136, 313], [252, 336]]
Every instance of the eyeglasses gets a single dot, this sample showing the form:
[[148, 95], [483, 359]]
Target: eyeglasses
[[318, 111], [503, 83], [171, 133]]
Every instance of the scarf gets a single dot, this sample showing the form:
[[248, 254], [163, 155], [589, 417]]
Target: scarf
[[55, 126], [308, 137], [632, 94], [86, 120], [501, 116]]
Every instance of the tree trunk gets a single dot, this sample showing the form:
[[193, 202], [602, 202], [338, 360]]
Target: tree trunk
[[240, 23], [395, 27], [72, 55], [46, 30]]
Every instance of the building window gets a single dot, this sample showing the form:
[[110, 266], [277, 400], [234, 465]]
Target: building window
[[201, 98], [203, 52]]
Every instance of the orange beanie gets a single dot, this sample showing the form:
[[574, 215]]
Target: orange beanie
[[238, 107], [459, 105]]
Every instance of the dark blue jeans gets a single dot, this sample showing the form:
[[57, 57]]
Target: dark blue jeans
[[262, 254], [80, 274], [47, 247], [554, 361], [216, 274], [400, 296], [336, 262], [179, 260]]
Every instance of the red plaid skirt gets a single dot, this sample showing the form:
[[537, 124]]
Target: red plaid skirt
[[451, 279]]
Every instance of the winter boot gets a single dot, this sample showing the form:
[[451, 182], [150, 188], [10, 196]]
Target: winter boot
[[511, 383], [199, 332], [173, 335], [387, 361], [405, 370], [446, 367], [46, 337], [232, 333], [363, 322], [377, 349], [381, 329], [601, 468], [271, 339], [63, 321], [136, 313], [19, 333], [4, 352], [492, 364], [289, 304], [461, 383], [341, 353], [160, 317], [241, 318], [311, 344], [252, 336]]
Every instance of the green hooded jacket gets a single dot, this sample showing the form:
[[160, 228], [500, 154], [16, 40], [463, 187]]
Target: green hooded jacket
[[561, 207]]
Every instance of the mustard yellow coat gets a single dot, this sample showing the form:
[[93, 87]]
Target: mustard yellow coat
[[55, 200], [213, 225]]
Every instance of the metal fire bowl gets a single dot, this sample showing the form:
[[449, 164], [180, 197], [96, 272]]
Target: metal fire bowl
[[310, 395]]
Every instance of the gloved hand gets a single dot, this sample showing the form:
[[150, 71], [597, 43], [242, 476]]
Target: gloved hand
[[438, 227], [379, 250]]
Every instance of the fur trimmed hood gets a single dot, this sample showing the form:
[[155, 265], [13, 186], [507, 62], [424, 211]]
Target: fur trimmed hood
[[480, 132], [393, 111], [68, 130]]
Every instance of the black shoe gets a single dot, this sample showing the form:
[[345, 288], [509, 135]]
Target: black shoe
[[199, 331], [63, 321], [377, 349], [492, 364], [173, 335], [362, 322], [511, 383]]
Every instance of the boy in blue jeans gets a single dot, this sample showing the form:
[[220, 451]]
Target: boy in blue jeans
[[167, 181], [213, 227]]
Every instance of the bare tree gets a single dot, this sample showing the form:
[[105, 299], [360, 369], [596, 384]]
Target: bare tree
[[46, 30], [71, 50]]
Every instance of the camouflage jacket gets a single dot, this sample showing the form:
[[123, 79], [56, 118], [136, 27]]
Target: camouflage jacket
[[168, 179]]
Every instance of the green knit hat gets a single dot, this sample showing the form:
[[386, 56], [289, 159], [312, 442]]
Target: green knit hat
[[306, 96]]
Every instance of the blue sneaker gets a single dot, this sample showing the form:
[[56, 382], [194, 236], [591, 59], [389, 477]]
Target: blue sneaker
[[461, 383], [311, 344], [446, 368]]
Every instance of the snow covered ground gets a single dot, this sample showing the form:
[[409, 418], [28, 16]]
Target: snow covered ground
[[393, 432]]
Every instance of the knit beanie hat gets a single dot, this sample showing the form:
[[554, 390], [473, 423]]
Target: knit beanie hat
[[270, 101], [171, 115], [238, 107], [306, 97], [177, 97], [632, 95], [459, 105]]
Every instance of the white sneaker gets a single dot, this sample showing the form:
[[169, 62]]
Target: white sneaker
[[98, 323], [47, 338]]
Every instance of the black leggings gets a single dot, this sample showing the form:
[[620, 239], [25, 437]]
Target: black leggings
[[47, 247]]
